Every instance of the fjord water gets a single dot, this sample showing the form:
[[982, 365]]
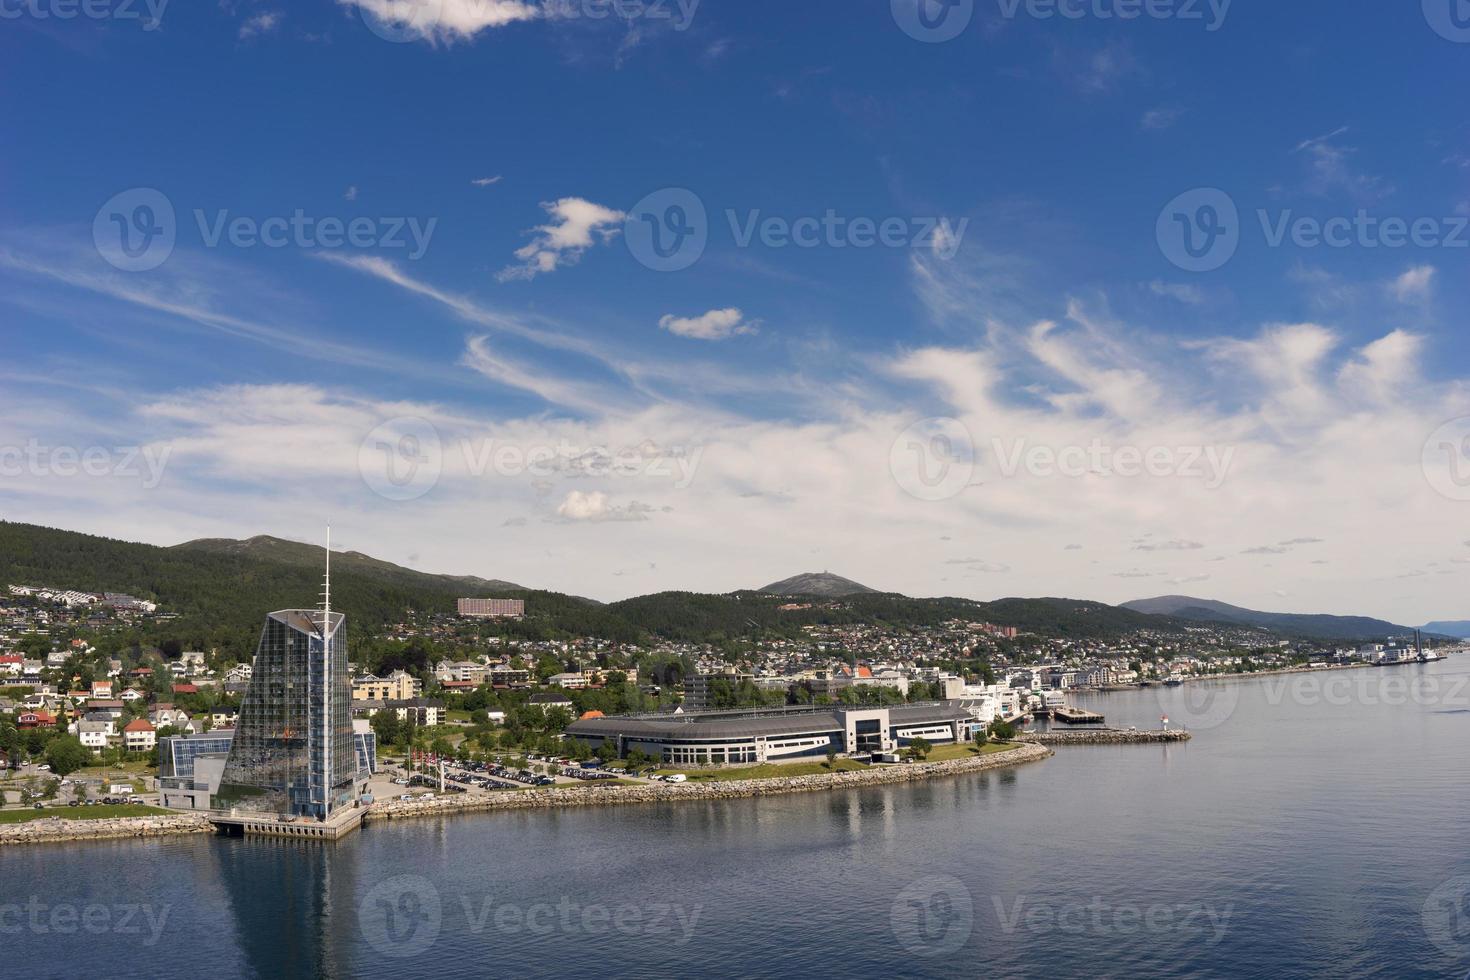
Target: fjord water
[[1312, 828]]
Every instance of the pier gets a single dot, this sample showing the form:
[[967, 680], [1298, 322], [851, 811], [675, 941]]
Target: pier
[[1068, 715], [335, 827]]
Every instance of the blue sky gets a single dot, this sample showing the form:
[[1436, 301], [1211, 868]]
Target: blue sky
[[1052, 309]]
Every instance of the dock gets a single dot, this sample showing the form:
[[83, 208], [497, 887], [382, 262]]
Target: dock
[[1069, 715], [235, 824]]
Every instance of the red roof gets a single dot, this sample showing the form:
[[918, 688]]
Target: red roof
[[139, 725], [12, 658], [185, 689], [594, 713]]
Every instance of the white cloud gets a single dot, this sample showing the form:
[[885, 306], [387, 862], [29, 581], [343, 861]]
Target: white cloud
[[261, 23], [714, 325], [594, 505], [576, 226], [1159, 119], [486, 181], [1415, 285], [446, 20]]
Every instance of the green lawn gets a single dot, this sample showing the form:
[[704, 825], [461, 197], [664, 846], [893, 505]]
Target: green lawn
[[770, 770], [965, 750], [89, 812]]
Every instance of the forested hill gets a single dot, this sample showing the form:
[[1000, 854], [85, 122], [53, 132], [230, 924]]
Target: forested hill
[[220, 590]]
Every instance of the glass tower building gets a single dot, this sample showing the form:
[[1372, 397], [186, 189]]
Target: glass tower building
[[293, 750]]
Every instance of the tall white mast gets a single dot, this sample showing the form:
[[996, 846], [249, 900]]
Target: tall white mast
[[326, 696]]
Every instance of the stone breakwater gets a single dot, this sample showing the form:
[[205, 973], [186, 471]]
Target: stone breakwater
[[1102, 736], [56, 829], [595, 795]]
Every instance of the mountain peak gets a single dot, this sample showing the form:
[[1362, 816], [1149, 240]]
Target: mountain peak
[[817, 584]]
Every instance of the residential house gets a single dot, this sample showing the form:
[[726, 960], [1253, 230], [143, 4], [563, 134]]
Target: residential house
[[139, 736], [93, 735]]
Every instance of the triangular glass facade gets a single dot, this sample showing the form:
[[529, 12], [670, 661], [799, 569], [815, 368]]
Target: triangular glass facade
[[293, 749]]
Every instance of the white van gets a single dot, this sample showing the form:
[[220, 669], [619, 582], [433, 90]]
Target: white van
[[677, 777]]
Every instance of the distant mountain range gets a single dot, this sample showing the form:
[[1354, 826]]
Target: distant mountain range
[[218, 590], [1316, 626], [1458, 628], [823, 584]]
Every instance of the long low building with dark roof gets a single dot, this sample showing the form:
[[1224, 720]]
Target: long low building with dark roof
[[775, 735]]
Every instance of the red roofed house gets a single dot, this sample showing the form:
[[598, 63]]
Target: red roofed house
[[102, 689], [35, 719], [139, 736], [185, 689]]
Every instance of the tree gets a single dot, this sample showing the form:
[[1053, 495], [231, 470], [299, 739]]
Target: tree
[[607, 751], [385, 726], [980, 737], [831, 756], [1003, 731], [66, 754], [919, 749]]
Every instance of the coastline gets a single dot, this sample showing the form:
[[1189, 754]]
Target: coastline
[[58, 830], [734, 789]]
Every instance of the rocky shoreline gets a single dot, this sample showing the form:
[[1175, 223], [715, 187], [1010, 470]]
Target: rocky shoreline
[[733, 789], [59, 829], [1103, 736]]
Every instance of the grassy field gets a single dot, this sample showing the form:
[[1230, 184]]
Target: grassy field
[[98, 812], [966, 750], [769, 770]]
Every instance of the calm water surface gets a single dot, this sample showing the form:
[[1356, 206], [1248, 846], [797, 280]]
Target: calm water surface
[[1314, 827]]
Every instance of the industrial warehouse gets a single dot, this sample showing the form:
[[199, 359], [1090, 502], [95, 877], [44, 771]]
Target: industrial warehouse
[[776, 735]]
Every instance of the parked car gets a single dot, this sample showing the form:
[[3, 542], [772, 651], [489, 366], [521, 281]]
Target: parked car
[[676, 777]]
